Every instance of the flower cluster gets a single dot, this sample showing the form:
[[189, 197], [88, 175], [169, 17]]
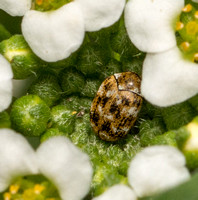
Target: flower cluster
[[54, 35], [153, 170], [57, 159], [168, 78], [157, 27]]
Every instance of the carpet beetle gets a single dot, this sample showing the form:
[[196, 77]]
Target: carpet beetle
[[116, 106]]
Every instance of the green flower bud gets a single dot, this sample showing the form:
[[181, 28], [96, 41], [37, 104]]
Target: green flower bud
[[101, 37], [50, 133], [80, 104], [80, 136], [92, 59], [149, 130], [187, 139], [72, 82], [194, 102], [47, 88], [30, 115], [23, 61], [90, 88], [82, 123], [105, 177], [168, 138], [77, 103], [149, 111], [135, 65], [62, 64], [111, 68], [121, 44], [183, 111], [63, 118]]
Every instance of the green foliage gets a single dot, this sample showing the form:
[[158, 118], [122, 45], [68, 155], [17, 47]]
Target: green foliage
[[30, 115]]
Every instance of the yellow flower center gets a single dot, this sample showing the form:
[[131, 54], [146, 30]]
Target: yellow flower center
[[186, 29], [48, 5], [187, 8], [31, 188]]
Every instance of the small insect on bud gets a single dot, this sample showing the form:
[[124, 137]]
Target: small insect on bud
[[116, 105]]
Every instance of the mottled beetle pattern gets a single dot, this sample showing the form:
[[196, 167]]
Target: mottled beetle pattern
[[116, 106]]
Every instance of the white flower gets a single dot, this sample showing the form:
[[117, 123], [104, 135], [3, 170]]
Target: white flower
[[151, 171], [8, 86], [5, 83], [156, 169], [118, 192], [167, 77], [54, 35], [57, 159], [16, 8]]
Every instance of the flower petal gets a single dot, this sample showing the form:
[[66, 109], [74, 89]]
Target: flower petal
[[118, 192], [5, 94], [149, 23], [17, 158], [100, 14], [168, 81], [15, 8], [157, 168], [5, 83], [54, 35], [66, 166], [5, 69]]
